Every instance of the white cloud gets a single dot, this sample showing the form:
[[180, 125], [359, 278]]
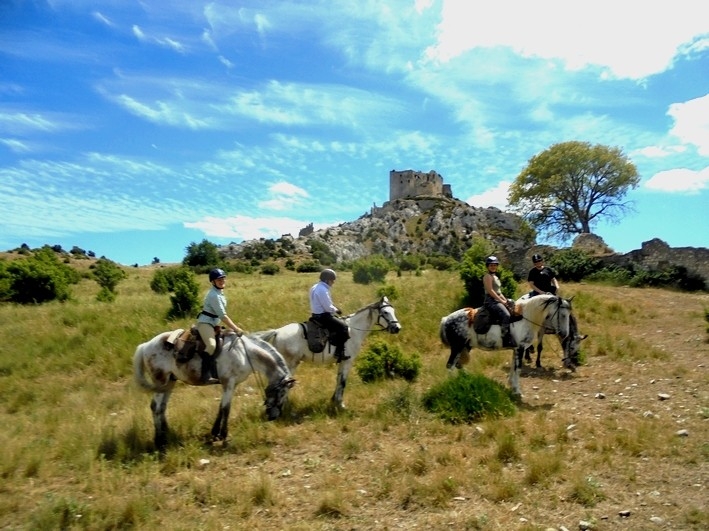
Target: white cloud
[[630, 39], [692, 123], [679, 180], [283, 196], [496, 197], [247, 228]]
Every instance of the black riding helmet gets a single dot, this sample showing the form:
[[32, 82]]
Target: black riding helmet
[[537, 258], [214, 274], [491, 260]]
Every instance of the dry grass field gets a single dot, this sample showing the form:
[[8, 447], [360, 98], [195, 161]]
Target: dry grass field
[[623, 443]]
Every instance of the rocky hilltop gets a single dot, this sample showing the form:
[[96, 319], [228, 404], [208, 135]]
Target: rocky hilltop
[[432, 225]]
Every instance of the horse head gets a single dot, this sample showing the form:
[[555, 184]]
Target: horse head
[[276, 394], [387, 314]]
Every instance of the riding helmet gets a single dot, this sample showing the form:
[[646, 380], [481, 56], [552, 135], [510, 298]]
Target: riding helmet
[[491, 260], [327, 274], [537, 258], [214, 274]]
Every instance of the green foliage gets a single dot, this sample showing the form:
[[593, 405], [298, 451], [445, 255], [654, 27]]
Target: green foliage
[[321, 252], [442, 263], [383, 361], [409, 262], [370, 269], [38, 278], [271, 268], [108, 274], [472, 270], [309, 266], [105, 295], [203, 255], [164, 279], [388, 290], [182, 283], [185, 299], [568, 187], [468, 398], [573, 264]]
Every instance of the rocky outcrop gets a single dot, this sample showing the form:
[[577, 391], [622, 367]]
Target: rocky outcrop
[[432, 225]]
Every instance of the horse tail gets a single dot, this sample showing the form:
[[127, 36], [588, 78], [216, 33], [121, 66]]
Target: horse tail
[[442, 331], [139, 372]]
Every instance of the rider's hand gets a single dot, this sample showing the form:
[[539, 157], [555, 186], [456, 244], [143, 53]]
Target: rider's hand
[[338, 311], [239, 332]]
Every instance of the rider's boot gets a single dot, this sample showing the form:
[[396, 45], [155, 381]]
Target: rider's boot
[[507, 340], [340, 354], [209, 369]]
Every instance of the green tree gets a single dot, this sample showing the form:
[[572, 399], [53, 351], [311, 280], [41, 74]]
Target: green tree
[[370, 269], [567, 188], [108, 274], [202, 255]]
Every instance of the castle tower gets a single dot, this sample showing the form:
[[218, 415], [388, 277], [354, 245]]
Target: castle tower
[[407, 184]]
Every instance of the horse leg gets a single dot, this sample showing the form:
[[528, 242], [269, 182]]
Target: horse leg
[[453, 358], [515, 368], [220, 429], [539, 354], [342, 372], [158, 406]]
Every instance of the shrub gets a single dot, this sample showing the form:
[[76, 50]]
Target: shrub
[[270, 268], [185, 299], [382, 361], [107, 274], [164, 280], [573, 264], [204, 254], [309, 266], [40, 278], [389, 291], [469, 398], [371, 269]]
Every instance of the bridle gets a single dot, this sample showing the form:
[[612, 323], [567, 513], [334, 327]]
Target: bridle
[[389, 322]]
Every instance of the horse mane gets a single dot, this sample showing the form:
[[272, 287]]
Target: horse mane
[[535, 309]]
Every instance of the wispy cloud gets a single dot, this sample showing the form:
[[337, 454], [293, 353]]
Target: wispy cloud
[[691, 123]]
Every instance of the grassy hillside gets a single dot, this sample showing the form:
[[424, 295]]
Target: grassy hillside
[[76, 442]]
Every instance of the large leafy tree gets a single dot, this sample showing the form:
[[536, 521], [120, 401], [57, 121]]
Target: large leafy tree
[[567, 188]]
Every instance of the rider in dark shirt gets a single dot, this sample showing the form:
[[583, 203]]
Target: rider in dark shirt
[[541, 278]]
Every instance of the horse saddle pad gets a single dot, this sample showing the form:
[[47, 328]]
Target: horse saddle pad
[[316, 335]]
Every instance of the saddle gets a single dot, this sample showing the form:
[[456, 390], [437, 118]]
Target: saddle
[[187, 343], [482, 318], [317, 335]]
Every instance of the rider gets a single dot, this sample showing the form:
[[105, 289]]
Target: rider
[[495, 301], [323, 311], [541, 278], [213, 312]]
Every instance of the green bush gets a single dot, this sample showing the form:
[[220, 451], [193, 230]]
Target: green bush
[[165, 279], [382, 361], [389, 291], [309, 266], [107, 274], [469, 398], [185, 298], [39, 278], [204, 255], [573, 264], [371, 269], [270, 268]]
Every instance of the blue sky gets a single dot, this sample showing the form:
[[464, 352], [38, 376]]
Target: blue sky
[[133, 128]]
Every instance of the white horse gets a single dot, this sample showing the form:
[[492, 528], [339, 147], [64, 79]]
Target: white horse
[[457, 332], [291, 341], [239, 357], [570, 344]]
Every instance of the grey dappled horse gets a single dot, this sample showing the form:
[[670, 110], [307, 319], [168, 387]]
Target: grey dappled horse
[[291, 341], [457, 332], [570, 345], [240, 356]]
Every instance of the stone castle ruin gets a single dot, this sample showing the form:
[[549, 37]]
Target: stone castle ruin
[[407, 184]]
